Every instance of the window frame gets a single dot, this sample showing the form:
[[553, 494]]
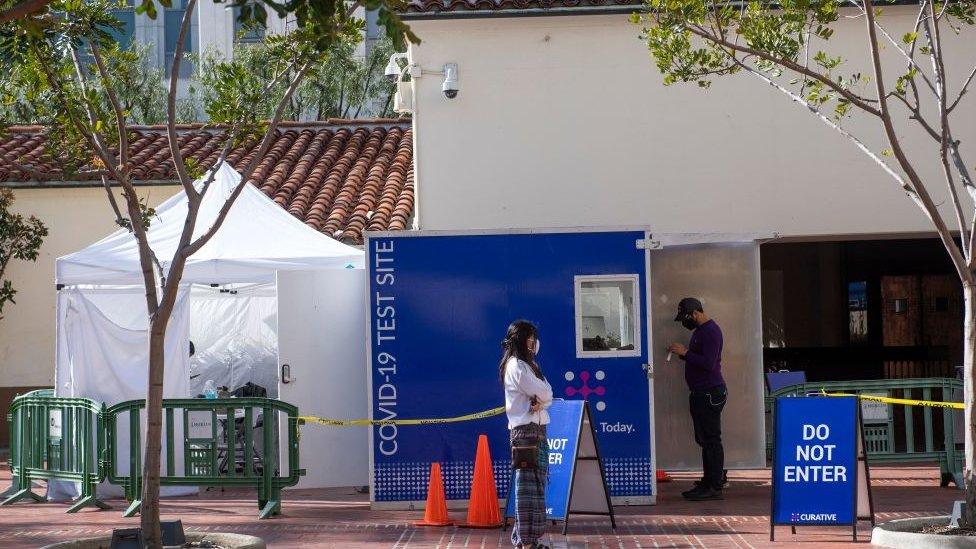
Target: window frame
[[633, 278]]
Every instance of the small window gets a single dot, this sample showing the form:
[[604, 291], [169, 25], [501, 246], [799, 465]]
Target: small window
[[607, 316], [901, 306]]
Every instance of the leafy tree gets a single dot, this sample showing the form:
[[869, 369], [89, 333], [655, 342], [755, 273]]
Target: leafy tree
[[787, 45], [346, 86], [20, 238], [87, 129]]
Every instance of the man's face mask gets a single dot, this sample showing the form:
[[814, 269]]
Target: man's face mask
[[688, 321]]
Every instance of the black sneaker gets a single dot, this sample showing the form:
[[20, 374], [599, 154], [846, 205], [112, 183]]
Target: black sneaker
[[704, 494], [725, 480], [697, 488]]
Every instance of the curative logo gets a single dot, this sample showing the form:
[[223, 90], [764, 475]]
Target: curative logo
[[585, 390], [813, 517]]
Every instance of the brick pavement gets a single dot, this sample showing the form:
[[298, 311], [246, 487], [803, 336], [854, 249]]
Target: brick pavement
[[341, 518]]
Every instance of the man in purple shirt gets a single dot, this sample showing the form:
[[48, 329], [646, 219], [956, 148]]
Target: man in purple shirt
[[703, 373]]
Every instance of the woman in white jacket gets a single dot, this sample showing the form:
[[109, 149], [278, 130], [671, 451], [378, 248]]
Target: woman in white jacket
[[527, 396]]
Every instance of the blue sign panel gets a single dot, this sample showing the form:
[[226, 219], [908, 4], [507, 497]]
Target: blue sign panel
[[566, 417], [439, 308], [815, 461]]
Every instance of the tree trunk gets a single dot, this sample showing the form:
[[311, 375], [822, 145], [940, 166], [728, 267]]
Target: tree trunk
[[154, 427], [969, 384]]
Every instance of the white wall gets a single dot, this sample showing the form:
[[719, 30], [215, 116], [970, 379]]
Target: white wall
[[563, 120], [75, 218]]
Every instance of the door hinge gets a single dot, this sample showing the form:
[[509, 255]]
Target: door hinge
[[649, 370], [648, 244]]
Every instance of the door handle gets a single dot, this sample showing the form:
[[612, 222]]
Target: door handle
[[286, 374]]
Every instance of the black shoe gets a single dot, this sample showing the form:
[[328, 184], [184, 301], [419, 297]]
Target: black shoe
[[697, 488], [704, 494], [725, 482]]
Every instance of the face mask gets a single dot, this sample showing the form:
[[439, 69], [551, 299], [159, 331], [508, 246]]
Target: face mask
[[689, 322]]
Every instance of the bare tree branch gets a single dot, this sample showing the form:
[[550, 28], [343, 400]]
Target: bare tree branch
[[962, 91], [109, 158], [916, 114], [174, 146], [832, 125], [897, 46], [251, 166], [119, 113], [119, 218], [853, 98], [938, 68], [924, 200]]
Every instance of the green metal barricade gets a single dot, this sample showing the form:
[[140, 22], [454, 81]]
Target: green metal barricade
[[56, 438], [897, 433], [230, 442]]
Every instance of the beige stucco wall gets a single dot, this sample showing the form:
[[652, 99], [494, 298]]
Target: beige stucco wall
[[564, 121], [75, 217]]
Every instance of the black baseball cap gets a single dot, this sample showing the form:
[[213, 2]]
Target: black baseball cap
[[687, 306]]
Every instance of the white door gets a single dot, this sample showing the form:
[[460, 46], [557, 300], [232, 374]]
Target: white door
[[322, 338]]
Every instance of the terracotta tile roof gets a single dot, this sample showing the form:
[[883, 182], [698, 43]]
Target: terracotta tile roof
[[340, 177], [498, 7]]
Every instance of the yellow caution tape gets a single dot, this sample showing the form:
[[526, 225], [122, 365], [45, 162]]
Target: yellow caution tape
[[904, 401], [362, 422]]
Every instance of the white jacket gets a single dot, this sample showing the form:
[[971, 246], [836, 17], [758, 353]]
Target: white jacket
[[520, 386]]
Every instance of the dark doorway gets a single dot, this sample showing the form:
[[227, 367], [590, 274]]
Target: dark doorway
[[867, 309]]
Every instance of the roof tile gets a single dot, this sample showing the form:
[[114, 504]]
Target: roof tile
[[339, 177]]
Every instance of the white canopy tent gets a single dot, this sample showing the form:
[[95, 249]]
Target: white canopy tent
[[257, 239], [229, 303]]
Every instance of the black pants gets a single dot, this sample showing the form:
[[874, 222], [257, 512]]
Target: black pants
[[706, 414]]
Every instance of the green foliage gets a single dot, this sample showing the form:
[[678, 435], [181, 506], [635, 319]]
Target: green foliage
[[343, 85], [20, 238], [699, 40], [41, 83]]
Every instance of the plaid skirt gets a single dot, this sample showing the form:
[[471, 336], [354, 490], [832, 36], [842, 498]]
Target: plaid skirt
[[530, 487]]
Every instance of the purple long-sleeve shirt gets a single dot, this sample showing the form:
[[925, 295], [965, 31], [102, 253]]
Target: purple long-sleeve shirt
[[703, 361]]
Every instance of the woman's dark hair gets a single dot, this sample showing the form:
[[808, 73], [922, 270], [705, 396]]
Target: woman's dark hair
[[516, 344]]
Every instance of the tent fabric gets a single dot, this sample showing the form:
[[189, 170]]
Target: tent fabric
[[103, 347], [103, 354], [235, 337], [258, 238]]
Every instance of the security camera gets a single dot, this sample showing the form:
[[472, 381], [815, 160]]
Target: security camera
[[392, 71], [450, 86]]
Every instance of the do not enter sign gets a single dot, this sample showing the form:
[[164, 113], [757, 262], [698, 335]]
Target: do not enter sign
[[819, 465]]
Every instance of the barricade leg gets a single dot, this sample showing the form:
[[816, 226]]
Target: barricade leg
[[88, 498], [22, 482], [133, 488], [23, 492], [269, 494], [88, 501]]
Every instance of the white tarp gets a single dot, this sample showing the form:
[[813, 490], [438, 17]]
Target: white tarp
[[103, 354], [235, 337], [257, 238], [102, 343]]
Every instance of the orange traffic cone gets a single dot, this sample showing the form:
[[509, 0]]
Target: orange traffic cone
[[483, 510], [435, 513], [663, 476]]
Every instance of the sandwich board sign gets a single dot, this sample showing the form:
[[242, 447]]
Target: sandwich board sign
[[576, 484], [820, 471]]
